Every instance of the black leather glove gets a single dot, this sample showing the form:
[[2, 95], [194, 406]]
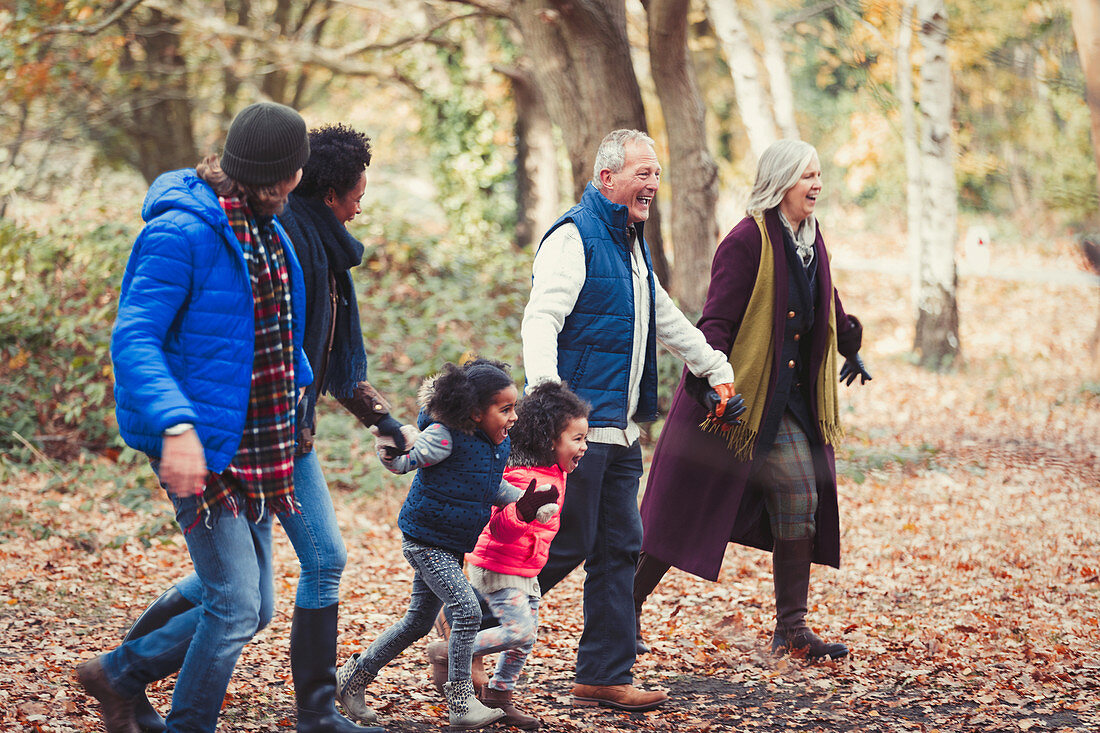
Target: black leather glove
[[852, 368], [389, 427], [733, 406], [528, 504]]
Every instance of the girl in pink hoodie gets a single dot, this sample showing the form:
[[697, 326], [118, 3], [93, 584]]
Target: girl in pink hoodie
[[548, 441]]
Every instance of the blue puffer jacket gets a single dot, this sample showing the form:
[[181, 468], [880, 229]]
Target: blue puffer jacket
[[183, 342], [450, 502], [596, 341]]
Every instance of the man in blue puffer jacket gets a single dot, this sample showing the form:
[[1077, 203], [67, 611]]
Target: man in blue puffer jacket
[[593, 320], [208, 364]]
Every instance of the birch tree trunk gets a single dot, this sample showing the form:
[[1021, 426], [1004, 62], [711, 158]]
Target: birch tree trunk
[[779, 79], [911, 146], [937, 332], [752, 101], [692, 173], [1086, 30]]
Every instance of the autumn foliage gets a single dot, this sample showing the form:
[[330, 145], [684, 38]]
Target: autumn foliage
[[969, 590]]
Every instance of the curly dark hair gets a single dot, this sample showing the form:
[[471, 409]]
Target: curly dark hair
[[460, 391], [338, 155], [541, 416]]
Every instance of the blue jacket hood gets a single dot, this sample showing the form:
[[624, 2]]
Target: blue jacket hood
[[183, 189]]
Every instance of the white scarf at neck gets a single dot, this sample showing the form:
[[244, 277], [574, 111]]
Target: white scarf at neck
[[804, 238]]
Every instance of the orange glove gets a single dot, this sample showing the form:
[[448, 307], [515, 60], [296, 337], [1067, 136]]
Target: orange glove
[[724, 403]]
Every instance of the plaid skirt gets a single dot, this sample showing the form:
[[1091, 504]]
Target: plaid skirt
[[787, 482]]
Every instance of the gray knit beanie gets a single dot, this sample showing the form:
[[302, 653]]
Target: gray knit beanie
[[267, 143]]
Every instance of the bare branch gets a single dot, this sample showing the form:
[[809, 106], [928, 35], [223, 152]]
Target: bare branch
[[499, 8], [84, 29]]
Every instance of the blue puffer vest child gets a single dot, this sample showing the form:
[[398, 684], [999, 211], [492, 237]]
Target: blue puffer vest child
[[450, 502], [596, 342]]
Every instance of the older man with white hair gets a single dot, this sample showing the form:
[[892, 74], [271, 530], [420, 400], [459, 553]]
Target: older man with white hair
[[593, 320]]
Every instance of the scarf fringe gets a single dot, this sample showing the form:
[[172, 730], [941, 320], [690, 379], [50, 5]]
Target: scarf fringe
[[831, 432], [740, 438]]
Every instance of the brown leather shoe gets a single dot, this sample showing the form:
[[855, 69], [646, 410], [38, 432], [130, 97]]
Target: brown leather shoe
[[117, 711], [623, 697], [502, 699]]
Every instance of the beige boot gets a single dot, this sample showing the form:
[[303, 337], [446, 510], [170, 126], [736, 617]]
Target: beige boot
[[465, 711]]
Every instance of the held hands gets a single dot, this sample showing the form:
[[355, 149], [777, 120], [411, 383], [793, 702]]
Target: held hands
[[724, 404], [386, 445], [537, 503], [183, 464], [852, 368], [390, 428]]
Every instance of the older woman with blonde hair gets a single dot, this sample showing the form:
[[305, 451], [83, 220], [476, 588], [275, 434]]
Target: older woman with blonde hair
[[765, 479]]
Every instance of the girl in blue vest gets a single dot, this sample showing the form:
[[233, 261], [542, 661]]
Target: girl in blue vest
[[459, 457]]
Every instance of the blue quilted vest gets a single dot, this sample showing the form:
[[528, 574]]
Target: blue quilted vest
[[450, 502], [595, 343]]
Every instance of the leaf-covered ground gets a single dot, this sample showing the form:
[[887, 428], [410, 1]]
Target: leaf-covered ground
[[969, 592]]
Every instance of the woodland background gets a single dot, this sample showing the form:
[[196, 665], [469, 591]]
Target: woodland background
[[970, 590]]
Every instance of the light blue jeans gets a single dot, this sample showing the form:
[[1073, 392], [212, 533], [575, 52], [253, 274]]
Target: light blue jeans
[[315, 536], [236, 593]]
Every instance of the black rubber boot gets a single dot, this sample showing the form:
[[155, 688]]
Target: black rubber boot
[[313, 667], [791, 575], [170, 604], [647, 575]]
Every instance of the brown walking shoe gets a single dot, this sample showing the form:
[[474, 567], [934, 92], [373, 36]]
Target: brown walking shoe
[[117, 711], [623, 697]]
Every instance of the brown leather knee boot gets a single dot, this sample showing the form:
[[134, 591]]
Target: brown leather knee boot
[[791, 575]]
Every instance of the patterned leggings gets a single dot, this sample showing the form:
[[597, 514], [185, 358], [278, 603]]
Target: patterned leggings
[[786, 478], [515, 637], [438, 580]]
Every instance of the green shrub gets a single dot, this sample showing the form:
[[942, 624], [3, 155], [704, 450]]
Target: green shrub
[[58, 289]]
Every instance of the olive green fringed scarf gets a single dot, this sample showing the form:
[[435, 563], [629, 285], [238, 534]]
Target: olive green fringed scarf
[[751, 358]]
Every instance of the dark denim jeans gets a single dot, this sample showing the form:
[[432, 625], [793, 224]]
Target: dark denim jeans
[[601, 527], [232, 560]]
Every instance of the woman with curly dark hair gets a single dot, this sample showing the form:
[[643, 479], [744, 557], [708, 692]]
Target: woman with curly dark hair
[[459, 459]]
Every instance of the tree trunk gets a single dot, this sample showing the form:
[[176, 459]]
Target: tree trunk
[[779, 79], [911, 144], [156, 119], [538, 193], [580, 59], [937, 332], [752, 101], [1086, 30], [692, 173]]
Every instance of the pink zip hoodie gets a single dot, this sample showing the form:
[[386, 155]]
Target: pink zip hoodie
[[511, 546]]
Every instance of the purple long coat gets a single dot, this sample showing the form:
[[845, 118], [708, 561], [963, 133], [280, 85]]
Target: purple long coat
[[695, 500]]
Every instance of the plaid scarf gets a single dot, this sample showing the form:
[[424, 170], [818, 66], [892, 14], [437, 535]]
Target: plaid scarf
[[262, 473]]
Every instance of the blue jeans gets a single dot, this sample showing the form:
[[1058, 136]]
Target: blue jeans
[[232, 560], [315, 536], [601, 527]]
